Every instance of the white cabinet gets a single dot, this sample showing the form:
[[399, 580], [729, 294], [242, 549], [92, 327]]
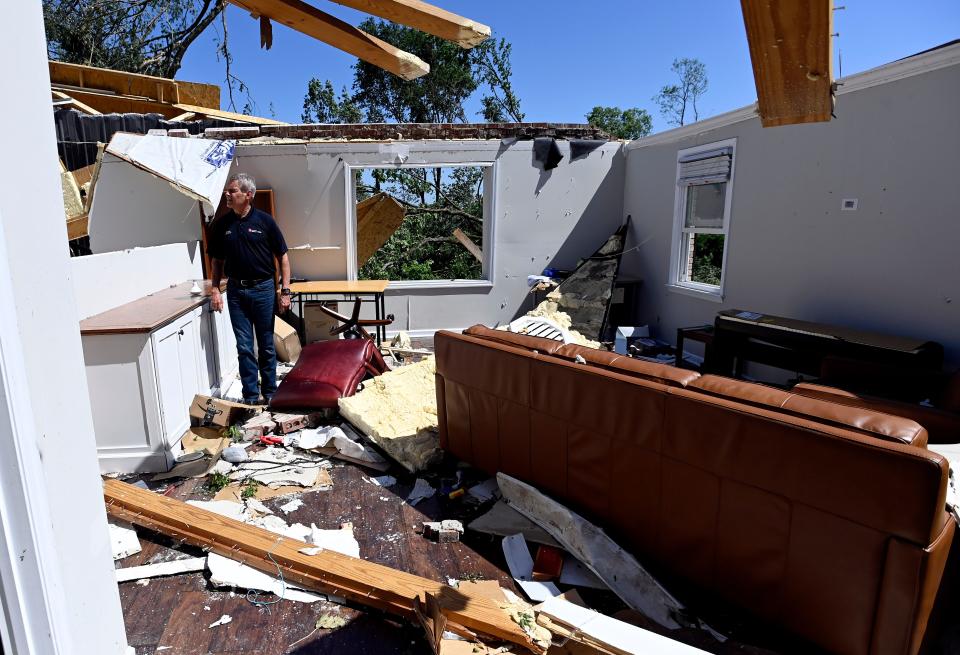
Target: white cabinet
[[145, 361]]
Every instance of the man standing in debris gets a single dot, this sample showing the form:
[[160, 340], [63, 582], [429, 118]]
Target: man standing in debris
[[243, 245]]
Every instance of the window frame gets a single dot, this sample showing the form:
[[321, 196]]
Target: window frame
[[489, 222], [677, 259]]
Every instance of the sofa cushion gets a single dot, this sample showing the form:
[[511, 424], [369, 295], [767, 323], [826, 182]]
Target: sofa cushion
[[327, 371], [869, 422]]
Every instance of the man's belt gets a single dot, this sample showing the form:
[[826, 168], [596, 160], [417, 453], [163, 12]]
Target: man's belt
[[249, 283]]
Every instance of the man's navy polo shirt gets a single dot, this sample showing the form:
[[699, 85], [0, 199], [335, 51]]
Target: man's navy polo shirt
[[246, 245]]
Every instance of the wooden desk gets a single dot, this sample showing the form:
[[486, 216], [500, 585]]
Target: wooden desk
[[336, 290]]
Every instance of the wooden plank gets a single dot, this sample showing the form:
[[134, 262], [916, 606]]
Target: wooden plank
[[78, 226], [426, 18], [60, 95], [340, 286], [84, 175], [159, 89], [108, 103], [197, 93], [378, 217], [468, 243], [72, 202], [123, 83], [791, 55], [324, 27], [328, 571], [185, 116], [219, 113]]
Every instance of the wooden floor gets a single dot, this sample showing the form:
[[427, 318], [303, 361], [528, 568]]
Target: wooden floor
[[172, 614]]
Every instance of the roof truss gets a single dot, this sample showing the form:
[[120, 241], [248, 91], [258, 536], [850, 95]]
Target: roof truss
[[426, 18]]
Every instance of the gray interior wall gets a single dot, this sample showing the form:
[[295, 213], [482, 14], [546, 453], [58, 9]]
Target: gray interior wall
[[892, 266], [543, 218]]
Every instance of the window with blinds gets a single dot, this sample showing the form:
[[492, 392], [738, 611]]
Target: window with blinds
[[704, 176]]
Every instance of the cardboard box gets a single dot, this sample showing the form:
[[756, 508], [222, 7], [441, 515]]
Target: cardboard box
[[285, 340], [207, 411], [316, 324]]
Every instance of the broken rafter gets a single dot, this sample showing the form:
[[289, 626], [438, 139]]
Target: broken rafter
[[311, 21], [364, 582], [790, 51], [426, 18]]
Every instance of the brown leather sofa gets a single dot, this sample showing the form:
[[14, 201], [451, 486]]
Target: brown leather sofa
[[823, 519]]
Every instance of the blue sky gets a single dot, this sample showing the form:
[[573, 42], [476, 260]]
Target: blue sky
[[570, 56]]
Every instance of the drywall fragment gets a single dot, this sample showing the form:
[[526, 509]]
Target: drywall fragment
[[226, 508], [521, 568], [176, 567], [617, 568], [486, 490], [343, 444], [604, 632], [398, 412], [291, 506], [226, 572], [235, 454], [257, 506], [575, 574], [223, 620], [342, 540], [276, 467], [123, 539], [503, 520], [383, 481], [421, 490]]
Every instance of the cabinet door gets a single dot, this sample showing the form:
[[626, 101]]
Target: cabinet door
[[226, 346], [174, 414], [189, 355], [209, 371]]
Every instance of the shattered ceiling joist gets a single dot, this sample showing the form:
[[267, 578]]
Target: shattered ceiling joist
[[311, 21], [790, 50]]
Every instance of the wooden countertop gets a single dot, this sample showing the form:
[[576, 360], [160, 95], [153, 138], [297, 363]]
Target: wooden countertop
[[340, 286], [148, 313]]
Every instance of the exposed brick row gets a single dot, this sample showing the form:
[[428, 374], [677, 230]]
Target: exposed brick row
[[412, 131]]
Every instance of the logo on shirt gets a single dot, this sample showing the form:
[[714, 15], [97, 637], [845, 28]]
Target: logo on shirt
[[250, 229]]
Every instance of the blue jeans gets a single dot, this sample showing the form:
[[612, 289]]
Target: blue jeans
[[251, 312]]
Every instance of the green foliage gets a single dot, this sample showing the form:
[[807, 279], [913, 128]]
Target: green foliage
[[675, 99], [436, 201], [249, 490], [622, 123], [493, 68], [707, 258], [139, 36], [321, 105], [235, 432], [217, 481]]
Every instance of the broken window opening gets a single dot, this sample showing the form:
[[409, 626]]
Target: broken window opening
[[423, 223]]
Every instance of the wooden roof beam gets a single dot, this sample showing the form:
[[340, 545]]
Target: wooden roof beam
[[791, 55], [426, 18], [333, 31], [158, 89]]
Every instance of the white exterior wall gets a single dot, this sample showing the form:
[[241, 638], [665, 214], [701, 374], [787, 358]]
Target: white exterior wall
[[102, 282], [543, 218], [57, 580], [891, 266]]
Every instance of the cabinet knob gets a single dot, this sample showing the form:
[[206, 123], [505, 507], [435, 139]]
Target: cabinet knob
[[180, 333]]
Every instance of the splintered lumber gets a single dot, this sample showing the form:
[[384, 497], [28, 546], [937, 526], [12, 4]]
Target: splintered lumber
[[426, 18], [328, 572], [311, 21], [468, 243], [378, 217], [790, 51]]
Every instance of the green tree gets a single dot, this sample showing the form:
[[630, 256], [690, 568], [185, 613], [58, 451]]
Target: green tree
[[621, 123], [436, 200], [321, 105], [138, 36], [675, 100]]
